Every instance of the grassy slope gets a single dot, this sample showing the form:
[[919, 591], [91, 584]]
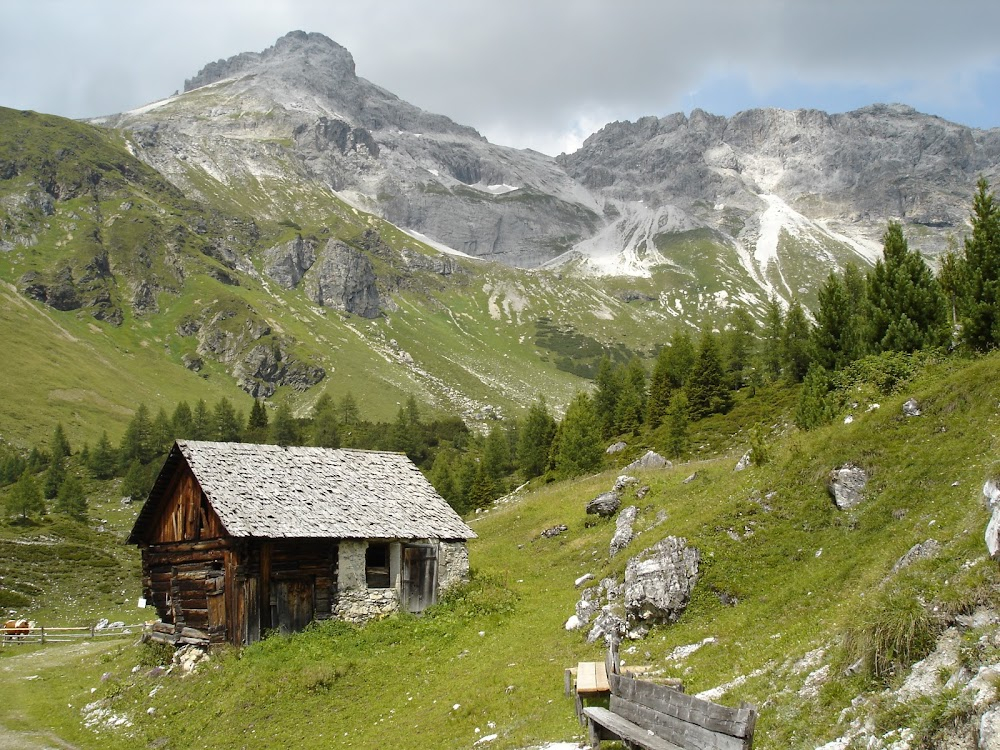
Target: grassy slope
[[801, 570]]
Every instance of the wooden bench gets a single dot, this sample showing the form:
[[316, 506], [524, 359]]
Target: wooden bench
[[644, 714]]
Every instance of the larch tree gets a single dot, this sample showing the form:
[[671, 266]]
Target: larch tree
[[706, 388]]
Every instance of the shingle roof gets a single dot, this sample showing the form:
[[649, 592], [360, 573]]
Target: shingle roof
[[269, 491]]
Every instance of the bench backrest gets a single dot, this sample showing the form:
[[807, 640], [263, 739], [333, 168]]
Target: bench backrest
[[684, 720]]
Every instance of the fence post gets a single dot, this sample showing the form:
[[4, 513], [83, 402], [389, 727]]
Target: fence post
[[43, 634]]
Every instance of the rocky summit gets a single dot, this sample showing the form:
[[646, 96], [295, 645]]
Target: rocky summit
[[767, 201]]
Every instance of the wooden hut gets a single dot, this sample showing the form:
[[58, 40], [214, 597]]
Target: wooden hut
[[237, 539]]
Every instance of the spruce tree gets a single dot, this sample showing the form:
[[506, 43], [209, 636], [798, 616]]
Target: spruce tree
[[72, 500], [796, 344], [579, 448], [136, 442], [161, 433], [771, 339], [535, 440], [284, 426], [706, 388], [256, 431], [906, 304], [609, 389], [325, 430], [103, 459], [814, 409], [835, 337], [201, 422], [442, 478], [60, 445], [55, 475], [227, 426], [631, 408], [182, 421], [740, 339], [137, 482], [979, 301], [349, 412], [677, 419], [660, 390]]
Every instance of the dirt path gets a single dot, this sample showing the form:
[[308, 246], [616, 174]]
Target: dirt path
[[15, 670]]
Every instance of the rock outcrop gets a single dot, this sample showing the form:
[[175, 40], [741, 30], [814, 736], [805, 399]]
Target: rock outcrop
[[623, 530], [658, 584], [846, 485], [605, 505]]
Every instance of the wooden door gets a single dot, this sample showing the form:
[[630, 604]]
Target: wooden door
[[294, 602], [419, 589]]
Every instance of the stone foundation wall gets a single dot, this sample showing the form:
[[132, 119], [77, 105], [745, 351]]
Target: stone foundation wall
[[453, 565], [358, 603]]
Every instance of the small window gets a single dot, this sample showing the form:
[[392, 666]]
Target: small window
[[377, 565]]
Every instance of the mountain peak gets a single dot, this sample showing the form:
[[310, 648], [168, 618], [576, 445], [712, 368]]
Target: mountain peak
[[293, 53]]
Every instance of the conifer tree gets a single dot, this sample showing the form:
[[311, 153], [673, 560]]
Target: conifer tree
[[182, 422], [55, 475], [136, 482], [11, 468], [37, 460], [466, 481], [256, 431], [227, 425], [136, 442], [72, 500], [905, 301], [772, 338], [161, 433], [25, 498], [796, 346], [284, 426], [60, 445], [740, 339], [706, 389], [660, 390], [349, 413], [609, 388], [535, 440], [201, 422], [102, 459], [325, 430], [631, 408], [579, 448], [979, 300], [442, 478], [496, 455], [836, 336], [814, 409], [677, 419]]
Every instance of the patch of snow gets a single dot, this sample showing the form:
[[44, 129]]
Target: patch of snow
[[434, 172], [868, 249], [447, 249]]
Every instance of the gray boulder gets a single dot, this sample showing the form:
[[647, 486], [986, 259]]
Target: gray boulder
[[912, 408], [846, 485], [287, 263], [623, 529], [658, 584], [623, 482], [993, 534], [616, 448], [921, 551], [991, 493], [605, 505], [608, 624], [652, 460], [743, 463]]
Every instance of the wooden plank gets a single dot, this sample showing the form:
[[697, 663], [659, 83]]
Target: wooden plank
[[586, 677], [736, 722], [625, 730], [684, 733]]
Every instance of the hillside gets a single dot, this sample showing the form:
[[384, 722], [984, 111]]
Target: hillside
[[118, 290], [790, 591]]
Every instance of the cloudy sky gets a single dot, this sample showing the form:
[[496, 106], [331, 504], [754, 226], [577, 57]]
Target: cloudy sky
[[529, 73]]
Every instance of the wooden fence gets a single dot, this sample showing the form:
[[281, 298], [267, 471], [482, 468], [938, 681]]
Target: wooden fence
[[42, 634]]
